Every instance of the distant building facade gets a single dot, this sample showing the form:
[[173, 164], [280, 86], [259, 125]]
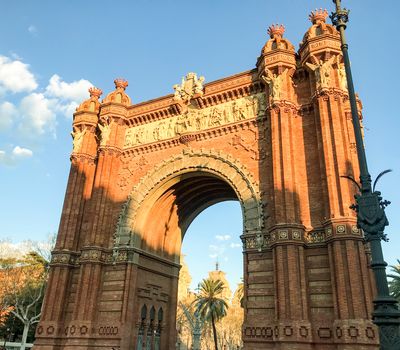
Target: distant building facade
[[277, 139]]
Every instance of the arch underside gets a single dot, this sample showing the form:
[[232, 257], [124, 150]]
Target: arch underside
[[165, 202]]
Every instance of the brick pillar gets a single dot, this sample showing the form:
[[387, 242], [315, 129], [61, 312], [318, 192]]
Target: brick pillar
[[104, 204], [78, 193], [287, 230], [351, 282]]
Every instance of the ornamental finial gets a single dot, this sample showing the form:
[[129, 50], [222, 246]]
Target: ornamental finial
[[318, 15], [95, 92], [276, 30], [120, 83]]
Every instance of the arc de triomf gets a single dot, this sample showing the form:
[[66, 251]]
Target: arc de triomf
[[277, 139]]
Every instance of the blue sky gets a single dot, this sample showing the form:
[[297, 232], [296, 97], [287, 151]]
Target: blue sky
[[51, 51]]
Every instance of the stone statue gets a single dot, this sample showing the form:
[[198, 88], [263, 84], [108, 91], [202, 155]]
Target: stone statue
[[322, 72], [105, 131], [341, 74], [198, 85], [178, 92], [190, 86], [274, 82], [77, 139]]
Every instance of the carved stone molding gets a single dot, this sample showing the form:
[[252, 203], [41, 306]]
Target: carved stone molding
[[195, 120], [66, 258], [82, 157]]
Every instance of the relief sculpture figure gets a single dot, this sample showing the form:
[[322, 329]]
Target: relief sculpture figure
[[105, 131], [194, 119], [239, 112], [216, 117], [77, 139], [322, 72], [274, 82]]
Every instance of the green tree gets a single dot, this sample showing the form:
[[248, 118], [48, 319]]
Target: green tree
[[394, 284], [209, 303]]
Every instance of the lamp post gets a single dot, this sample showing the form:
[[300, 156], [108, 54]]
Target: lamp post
[[370, 208]]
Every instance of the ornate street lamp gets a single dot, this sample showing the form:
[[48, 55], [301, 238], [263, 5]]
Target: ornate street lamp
[[370, 208]]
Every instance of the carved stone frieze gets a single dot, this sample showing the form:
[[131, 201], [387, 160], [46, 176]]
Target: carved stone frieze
[[63, 258], [259, 242], [315, 237], [194, 120]]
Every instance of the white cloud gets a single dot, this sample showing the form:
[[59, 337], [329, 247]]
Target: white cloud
[[38, 114], [223, 237], [67, 109], [22, 152], [75, 91], [235, 245], [15, 76], [17, 154], [7, 114], [68, 95], [32, 29]]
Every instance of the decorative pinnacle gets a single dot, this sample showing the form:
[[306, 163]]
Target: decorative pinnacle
[[95, 92], [276, 30], [120, 83], [318, 16]]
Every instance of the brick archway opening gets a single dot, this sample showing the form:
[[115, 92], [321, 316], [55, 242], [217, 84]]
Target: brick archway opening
[[163, 221], [165, 216], [156, 217]]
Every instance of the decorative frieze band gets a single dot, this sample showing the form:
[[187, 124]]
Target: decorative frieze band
[[194, 120], [94, 255], [262, 241]]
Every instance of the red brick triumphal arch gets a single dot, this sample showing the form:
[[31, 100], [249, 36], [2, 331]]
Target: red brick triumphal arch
[[276, 138]]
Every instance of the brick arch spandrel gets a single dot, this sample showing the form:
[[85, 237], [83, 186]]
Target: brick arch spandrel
[[163, 176]]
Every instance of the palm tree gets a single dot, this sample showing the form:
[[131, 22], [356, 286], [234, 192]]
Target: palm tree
[[394, 284], [209, 303]]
